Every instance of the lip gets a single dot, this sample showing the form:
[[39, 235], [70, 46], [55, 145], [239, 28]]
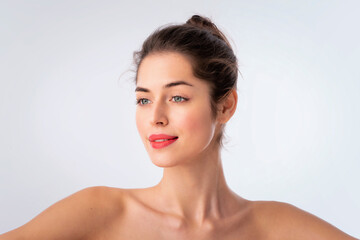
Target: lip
[[154, 137], [158, 145]]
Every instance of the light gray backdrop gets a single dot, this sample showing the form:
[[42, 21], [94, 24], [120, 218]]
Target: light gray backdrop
[[67, 106]]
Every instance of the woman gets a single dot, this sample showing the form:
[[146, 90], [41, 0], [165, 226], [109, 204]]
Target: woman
[[186, 92]]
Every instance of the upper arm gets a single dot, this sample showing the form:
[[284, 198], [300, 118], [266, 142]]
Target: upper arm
[[286, 221], [71, 218]]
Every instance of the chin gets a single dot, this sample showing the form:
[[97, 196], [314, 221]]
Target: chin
[[167, 160], [164, 163]]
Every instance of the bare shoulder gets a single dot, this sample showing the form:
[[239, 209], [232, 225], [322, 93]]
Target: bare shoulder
[[285, 221], [74, 217]]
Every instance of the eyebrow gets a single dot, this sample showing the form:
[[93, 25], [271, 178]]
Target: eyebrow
[[169, 85]]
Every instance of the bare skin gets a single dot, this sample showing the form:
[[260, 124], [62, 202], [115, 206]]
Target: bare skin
[[192, 200], [109, 213]]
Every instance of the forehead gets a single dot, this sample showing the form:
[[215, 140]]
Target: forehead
[[158, 69]]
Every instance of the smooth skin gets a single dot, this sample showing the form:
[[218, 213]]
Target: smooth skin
[[192, 200]]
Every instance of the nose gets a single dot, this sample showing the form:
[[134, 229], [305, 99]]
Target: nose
[[159, 115]]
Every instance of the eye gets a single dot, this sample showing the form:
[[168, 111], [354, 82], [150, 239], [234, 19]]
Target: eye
[[179, 99], [142, 101]]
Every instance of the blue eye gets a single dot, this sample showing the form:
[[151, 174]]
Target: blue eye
[[142, 101], [178, 99]]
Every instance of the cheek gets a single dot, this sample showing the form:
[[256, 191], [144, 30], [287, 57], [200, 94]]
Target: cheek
[[196, 125], [140, 120]]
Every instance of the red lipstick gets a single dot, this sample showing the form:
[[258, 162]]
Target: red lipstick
[[158, 141]]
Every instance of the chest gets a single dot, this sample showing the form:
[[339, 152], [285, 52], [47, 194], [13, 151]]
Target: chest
[[149, 226]]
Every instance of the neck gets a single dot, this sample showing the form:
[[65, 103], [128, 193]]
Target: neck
[[196, 191]]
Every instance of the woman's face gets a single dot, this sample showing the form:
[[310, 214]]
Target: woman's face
[[172, 101]]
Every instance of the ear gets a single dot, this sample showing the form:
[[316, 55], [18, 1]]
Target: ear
[[227, 107]]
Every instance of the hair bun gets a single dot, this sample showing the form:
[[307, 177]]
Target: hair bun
[[202, 22], [207, 24]]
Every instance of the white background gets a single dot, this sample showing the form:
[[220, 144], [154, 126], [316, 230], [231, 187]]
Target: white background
[[67, 103]]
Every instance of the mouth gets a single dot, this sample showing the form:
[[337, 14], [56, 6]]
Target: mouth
[[161, 137], [164, 140], [158, 143]]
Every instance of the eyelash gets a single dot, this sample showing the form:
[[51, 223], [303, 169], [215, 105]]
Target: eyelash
[[138, 101]]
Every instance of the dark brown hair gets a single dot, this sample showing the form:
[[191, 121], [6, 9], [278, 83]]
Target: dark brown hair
[[208, 50]]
